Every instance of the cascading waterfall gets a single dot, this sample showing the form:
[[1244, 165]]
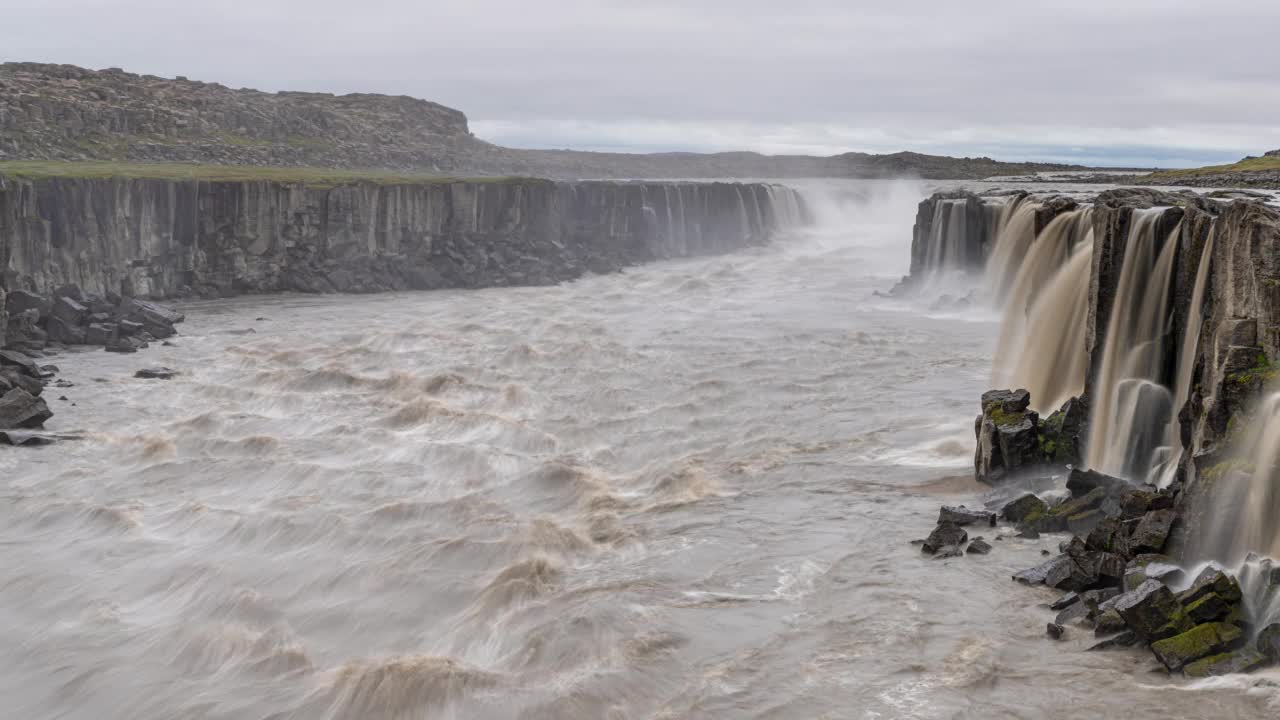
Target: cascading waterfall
[[1241, 528], [1043, 349], [1131, 408], [1016, 235], [948, 237], [1171, 454]]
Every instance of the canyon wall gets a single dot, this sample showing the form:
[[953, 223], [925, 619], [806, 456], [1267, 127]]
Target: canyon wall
[[163, 238]]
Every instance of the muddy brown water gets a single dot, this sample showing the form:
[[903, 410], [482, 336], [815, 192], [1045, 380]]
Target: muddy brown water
[[682, 491]]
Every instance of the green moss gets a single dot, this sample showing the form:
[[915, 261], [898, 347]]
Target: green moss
[[1222, 469], [316, 177], [1262, 373], [996, 414]]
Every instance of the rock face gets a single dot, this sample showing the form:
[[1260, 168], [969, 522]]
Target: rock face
[[161, 238]]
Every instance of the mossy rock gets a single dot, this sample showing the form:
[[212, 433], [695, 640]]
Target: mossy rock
[[1241, 661], [1199, 642]]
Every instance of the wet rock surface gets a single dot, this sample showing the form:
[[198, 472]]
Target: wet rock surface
[[76, 317]]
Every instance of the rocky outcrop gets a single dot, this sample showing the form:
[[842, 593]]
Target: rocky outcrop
[[63, 112], [162, 238]]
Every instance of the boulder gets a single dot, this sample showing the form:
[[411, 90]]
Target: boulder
[[1212, 581], [1208, 608], [1109, 622], [20, 409], [1065, 601], [1027, 508], [1040, 573], [126, 345], [1268, 642], [1128, 638], [1199, 642], [961, 515], [13, 378], [1151, 610], [69, 311], [100, 333], [156, 373], [1110, 535], [1055, 631], [1152, 531], [979, 547], [1080, 482], [130, 328], [24, 363], [947, 551], [1241, 661], [1071, 575], [149, 313], [18, 301], [64, 332], [943, 535], [1007, 436]]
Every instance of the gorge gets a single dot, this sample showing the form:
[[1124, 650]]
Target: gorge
[[687, 489]]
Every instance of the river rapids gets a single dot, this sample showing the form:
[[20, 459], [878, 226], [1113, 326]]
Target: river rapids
[[682, 491]]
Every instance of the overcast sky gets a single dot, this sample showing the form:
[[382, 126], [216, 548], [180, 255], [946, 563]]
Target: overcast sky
[[1118, 82]]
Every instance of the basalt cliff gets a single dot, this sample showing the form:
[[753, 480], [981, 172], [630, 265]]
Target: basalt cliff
[[1135, 409], [155, 238]]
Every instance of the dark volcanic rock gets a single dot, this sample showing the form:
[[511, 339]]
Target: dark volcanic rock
[[1151, 610], [20, 409], [1024, 509], [1241, 661], [1199, 642], [964, 516], [24, 363], [157, 373], [1268, 641], [1212, 581], [943, 535], [1007, 435], [1063, 433], [69, 311], [978, 547], [1152, 531]]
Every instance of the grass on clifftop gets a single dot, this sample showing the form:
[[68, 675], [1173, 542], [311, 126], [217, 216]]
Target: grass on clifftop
[[1258, 164], [316, 177]]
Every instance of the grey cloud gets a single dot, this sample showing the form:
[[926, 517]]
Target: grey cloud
[[1010, 77]]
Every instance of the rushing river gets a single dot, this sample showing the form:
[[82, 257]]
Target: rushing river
[[682, 491]]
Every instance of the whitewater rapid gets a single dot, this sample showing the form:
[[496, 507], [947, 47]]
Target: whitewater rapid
[[682, 491]]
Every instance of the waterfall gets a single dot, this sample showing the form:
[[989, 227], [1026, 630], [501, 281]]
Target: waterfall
[[1043, 350], [948, 237], [1241, 513], [1016, 235], [744, 221], [1164, 472], [1130, 406]]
